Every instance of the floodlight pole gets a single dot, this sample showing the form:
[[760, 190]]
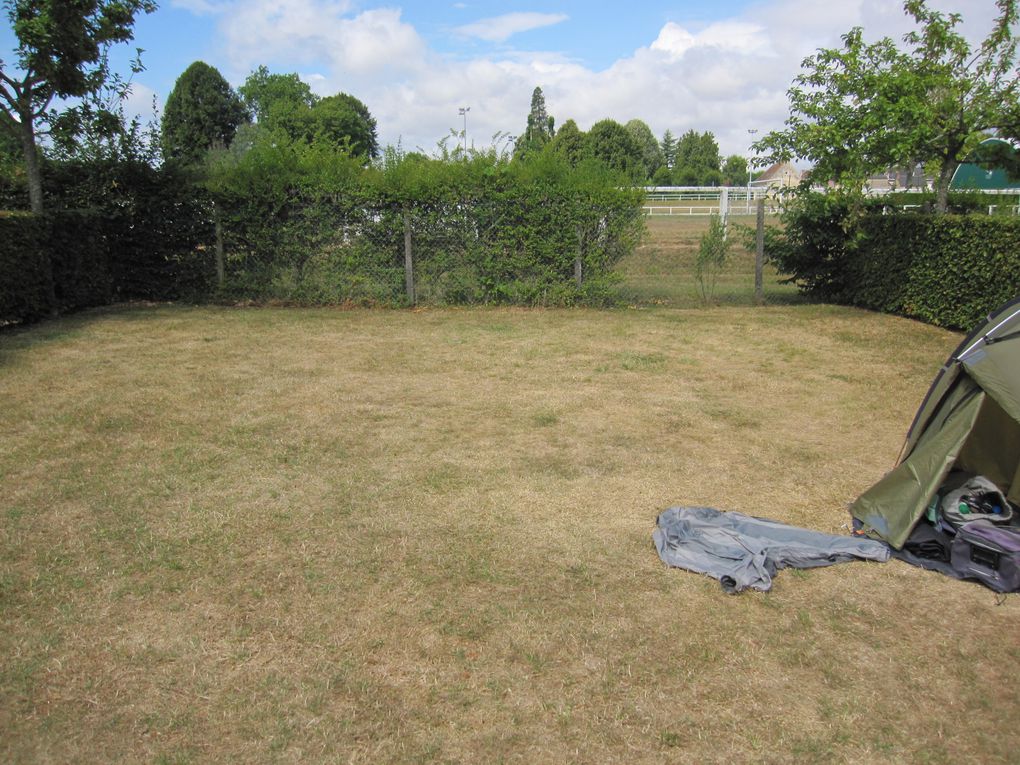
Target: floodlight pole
[[462, 111]]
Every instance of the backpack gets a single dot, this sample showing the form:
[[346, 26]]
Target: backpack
[[977, 499]]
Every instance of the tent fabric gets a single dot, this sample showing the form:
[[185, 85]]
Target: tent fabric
[[969, 421], [892, 506], [744, 552]]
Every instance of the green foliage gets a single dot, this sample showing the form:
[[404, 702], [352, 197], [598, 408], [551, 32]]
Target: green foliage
[[864, 107], [345, 121], [569, 142], [24, 286], [539, 130], [265, 93], [306, 224], [202, 112], [712, 252], [734, 171], [697, 160], [284, 105], [948, 270], [651, 153], [62, 52], [609, 142], [50, 263], [668, 148], [812, 248], [119, 230], [663, 177]]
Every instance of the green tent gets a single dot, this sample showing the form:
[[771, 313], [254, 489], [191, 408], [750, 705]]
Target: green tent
[[970, 420]]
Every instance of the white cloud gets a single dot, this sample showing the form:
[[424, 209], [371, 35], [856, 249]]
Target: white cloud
[[742, 37], [320, 32], [141, 102], [501, 28]]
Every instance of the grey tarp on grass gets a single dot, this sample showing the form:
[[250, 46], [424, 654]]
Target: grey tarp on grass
[[742, 551]]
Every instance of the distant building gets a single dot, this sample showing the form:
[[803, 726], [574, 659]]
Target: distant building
[[780, 175], [899, 179]]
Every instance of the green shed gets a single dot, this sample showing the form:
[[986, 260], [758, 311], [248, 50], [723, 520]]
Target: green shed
[[970, 176]]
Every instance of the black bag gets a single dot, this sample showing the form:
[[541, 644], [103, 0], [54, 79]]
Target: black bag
[[989, 553]]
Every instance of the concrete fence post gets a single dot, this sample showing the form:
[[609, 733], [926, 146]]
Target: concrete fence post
[[759, 255], [408, 258]]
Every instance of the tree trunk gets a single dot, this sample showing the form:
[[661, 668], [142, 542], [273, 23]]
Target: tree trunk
[[33, 173], [942, 189], [32, 170]]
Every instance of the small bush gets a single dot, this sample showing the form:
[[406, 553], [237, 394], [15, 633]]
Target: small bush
[[711, 258]]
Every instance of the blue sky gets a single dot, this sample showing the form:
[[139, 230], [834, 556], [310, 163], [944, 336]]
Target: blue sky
[[687, 64]]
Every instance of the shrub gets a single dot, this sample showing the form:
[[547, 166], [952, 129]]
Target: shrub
[[948, 270], [711, 257]]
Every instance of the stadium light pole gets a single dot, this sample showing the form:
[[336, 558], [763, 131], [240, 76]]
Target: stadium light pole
[[462, 111]]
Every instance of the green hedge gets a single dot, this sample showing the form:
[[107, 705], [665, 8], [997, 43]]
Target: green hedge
[[51, 264], [24, 282], [155, 225], [948, 270], [305, 224]]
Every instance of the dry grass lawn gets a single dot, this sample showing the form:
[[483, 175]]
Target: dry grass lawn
[[244, 535]]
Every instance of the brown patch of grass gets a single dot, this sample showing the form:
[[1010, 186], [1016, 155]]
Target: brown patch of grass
[[389, 536]]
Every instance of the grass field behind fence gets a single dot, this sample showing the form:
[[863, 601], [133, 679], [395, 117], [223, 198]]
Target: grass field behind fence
[[662, 270]]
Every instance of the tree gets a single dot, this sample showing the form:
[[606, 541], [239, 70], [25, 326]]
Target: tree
[[711, 258], [697, 158], [651, 153], [734, 171], [569, 141], [267, 95], [202, 112], [283, 102], [345, 120], [62, 53], [663, 177], [609, 142], [668, 148], [863, 107], [540, 129]]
